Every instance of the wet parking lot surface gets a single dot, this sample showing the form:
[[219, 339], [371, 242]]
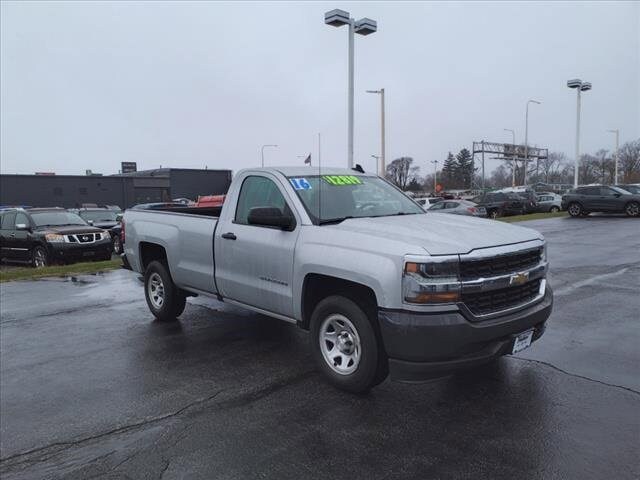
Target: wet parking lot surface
[[92, 387]]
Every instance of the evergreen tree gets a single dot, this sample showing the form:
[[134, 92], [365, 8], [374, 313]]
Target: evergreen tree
[[448, 172], [464, 169]]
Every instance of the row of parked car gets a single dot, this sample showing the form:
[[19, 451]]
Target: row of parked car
[[582, 201], [43, 236]]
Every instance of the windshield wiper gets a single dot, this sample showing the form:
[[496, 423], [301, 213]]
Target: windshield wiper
[[334, 220]]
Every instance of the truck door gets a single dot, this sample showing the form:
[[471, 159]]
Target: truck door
[[7, 234], [254, 264]]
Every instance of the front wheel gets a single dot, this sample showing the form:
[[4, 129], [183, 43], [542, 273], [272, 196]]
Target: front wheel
[[117, 245], [164, 299], [494, 214], [554, 210], [575, 209], [39, 257], [632, 209], [345, 345]]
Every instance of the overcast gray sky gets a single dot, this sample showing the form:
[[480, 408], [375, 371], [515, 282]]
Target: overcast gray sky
[[86, 85]]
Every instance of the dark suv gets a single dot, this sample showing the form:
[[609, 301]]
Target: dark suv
[[499, 204], [41, 236], [600, 198]]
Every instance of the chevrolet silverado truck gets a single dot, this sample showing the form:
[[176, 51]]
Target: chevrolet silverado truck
[[383, 286]]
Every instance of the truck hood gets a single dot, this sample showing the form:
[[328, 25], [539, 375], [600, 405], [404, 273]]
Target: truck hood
[[439, 233]]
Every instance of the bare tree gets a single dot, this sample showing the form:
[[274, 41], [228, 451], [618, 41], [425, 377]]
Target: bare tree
[[400, 171], [629, 161]]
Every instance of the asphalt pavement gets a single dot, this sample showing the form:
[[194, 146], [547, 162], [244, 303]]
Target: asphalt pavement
[[92, 387]]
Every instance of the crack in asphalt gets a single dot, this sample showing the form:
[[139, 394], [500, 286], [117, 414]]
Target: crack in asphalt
[[240, 400], [68, 311], [576, 375], [122, 429]]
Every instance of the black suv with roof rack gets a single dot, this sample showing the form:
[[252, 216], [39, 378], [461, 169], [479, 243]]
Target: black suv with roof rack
[[42, 236]]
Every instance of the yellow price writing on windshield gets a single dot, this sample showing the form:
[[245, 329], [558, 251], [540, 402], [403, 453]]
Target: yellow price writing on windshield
[[342, 179]]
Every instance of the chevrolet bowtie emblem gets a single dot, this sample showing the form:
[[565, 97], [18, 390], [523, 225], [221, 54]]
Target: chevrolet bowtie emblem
[[519, 278]]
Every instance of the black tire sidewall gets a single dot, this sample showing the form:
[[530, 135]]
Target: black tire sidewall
[[627, 206], [580, 212], [33, 256], [174, 301], [366, 375]]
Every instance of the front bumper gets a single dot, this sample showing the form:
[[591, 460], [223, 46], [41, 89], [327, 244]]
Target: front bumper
[[68, 252], [422, 346]]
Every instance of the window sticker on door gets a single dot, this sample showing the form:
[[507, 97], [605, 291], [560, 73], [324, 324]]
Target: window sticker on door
[[339, 180], [300, 183]]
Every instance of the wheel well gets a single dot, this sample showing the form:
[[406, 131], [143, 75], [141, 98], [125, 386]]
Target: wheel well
[[150, 252], [316, 287]]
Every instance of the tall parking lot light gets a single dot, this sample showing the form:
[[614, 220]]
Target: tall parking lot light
[[617, 132], [262, 152], [435, 175], [364, 26], [580, 86], [513, 161], [383, 166], [526, 140]]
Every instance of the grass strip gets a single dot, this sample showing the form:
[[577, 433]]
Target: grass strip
[[30, 273]]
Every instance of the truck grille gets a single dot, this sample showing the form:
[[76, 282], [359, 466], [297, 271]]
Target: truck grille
[[500, 265], [84, 237], [482, 303]]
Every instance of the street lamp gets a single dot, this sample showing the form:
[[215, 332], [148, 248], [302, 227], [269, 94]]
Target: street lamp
[[526, 141], [364, 26], [435, 175], [382, 134], [377, 158], [617, 132], [262, 152], [580, 86], [513, 161]]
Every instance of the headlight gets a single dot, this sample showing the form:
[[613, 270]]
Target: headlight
[[437, 282], [544, 252], [55, 238]]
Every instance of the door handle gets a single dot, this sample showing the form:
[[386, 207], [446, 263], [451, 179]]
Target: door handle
[[229, 236], [13, 235]]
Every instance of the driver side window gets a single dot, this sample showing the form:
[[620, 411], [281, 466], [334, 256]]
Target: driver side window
[[258, 192]]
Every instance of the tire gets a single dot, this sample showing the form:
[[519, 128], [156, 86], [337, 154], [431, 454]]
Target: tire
[[554, 209], [494, 214], [39, 257], [345, 345], [164, 299], [117, 245], [575, 209], [632, 209]]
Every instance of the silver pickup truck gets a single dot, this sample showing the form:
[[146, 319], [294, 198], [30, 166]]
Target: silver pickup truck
[[383, 286]]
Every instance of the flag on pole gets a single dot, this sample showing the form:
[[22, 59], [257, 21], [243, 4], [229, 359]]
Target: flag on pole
[[308, 159]]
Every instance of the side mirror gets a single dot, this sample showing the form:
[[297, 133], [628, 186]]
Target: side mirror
[[618, 195], [21, 226], [90, 222], [270, 217]]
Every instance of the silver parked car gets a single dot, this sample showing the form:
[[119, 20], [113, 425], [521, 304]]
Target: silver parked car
[[549, 202], [459, 207]]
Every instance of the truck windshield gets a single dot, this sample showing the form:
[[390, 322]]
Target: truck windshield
[[334, 198], [52, 219]]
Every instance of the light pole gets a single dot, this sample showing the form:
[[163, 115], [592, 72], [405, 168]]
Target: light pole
[[513, 161], [435, 175], [526, 141], [580, 86], [617, 132], [364, 26], [262, 152], [382, 133], [377, 157]]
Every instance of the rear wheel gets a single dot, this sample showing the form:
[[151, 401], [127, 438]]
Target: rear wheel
[[575, 209], [345, 345], [632, 209], [39, 257], [164, 299], [554, 210], [494, 214]]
